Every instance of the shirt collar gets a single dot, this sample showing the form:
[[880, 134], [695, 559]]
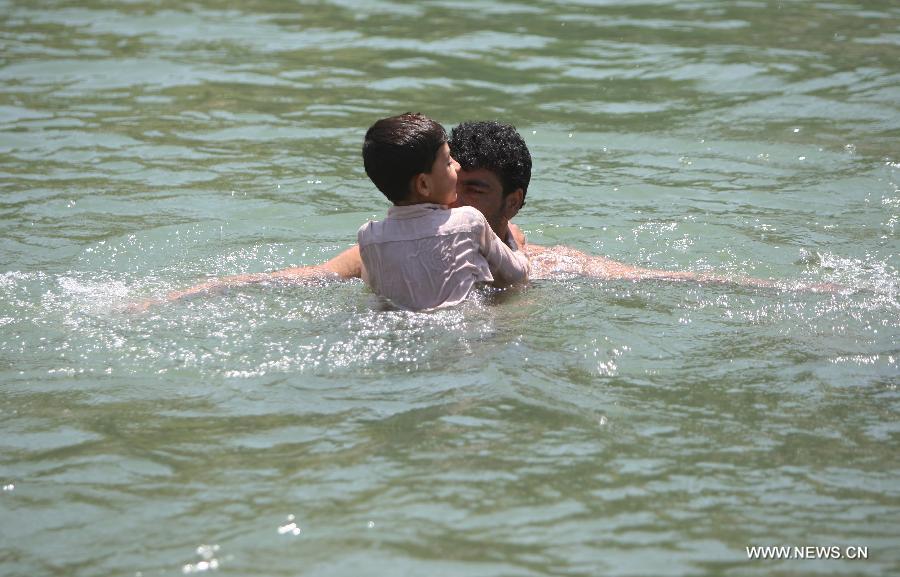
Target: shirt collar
[[413, 210]]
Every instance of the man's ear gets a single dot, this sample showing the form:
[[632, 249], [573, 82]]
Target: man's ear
[[512, 202]]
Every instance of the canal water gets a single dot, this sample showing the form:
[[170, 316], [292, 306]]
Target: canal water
[[578, 426]]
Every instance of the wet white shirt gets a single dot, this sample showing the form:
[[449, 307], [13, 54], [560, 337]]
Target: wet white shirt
[[426, 256]]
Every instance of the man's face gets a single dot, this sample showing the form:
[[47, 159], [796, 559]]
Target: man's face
[[482, 189]]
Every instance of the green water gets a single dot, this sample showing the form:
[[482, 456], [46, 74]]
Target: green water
[[576, 427]]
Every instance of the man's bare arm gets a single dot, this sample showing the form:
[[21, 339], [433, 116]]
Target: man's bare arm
[[296, 274], [344, 266], [547, 262]]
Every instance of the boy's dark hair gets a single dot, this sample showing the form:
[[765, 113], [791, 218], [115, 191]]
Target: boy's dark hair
[[495, 146], [398, 148]]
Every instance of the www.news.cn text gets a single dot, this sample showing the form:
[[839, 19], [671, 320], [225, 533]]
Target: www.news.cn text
[[806, 552]]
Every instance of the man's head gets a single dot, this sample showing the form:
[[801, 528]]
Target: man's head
[[495, 170], [406, 157]]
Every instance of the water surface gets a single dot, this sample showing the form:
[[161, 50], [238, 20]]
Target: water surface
[[574, 427]]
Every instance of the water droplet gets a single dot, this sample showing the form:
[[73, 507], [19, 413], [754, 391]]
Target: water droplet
[[208, 563], [291, 528], [207, 551]]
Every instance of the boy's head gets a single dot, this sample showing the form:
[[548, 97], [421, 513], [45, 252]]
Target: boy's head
[[495, 170], [398, 149]]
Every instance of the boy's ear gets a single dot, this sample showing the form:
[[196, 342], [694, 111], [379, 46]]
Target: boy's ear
[[421, 185], [512, 202]]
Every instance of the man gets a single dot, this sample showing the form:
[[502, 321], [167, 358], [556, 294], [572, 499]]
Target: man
[[423, 254], [494, 177]]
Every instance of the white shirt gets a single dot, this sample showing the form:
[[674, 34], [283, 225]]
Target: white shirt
[[425, 256]]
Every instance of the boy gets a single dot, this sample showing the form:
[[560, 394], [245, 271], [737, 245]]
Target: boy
[[425, 255]]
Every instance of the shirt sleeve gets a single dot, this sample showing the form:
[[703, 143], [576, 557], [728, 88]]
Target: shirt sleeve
[[508, 266]]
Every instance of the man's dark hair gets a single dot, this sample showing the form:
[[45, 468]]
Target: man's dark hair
[[496, 147], [398, 148]]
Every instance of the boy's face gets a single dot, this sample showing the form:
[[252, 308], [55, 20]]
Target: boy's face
[[442, 178]]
